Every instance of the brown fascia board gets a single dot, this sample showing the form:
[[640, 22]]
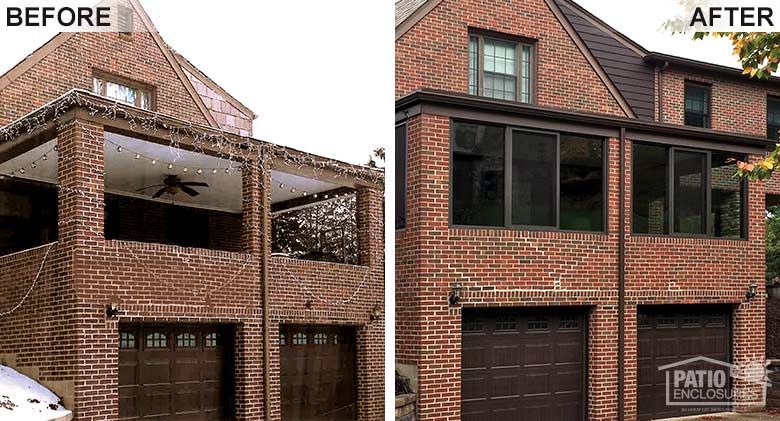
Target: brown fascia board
[[409, 101], [70, 102], [660, 58], [187, 65]]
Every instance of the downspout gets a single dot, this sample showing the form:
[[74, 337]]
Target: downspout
[[661, 91], [266, 300], [622, 278]]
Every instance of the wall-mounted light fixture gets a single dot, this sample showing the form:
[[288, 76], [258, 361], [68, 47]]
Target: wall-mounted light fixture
[[752, 291], [112, 310], [455, 294], [376, 311]]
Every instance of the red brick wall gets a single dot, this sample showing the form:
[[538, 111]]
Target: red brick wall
[[434, 53], [538, 268], [737, 106], [71, 65]]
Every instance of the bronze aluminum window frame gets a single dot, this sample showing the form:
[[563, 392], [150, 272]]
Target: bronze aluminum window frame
[[708, 115], [519, 42], [508, 225], [709, 235], [140, 87], [770, 99]]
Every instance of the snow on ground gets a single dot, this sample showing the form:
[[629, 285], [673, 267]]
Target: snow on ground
[[23, 399]]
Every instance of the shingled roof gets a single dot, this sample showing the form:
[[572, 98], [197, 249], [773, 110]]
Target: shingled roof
[[405, 8]]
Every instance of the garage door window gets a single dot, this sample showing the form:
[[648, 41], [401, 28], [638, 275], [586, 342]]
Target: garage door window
[[506, 324], [537, 323], [282, 338], [691, 321], [666, 321], [299, 338], [157, 340], [570, 322], [186, 340], [212, 340], [126, 340], [320, 339]]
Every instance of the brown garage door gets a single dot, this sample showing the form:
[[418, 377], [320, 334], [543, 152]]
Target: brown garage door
[[318, 373], [523, 365], [670, 334], [175, 372]]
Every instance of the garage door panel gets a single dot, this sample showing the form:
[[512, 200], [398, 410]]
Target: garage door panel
[[668, 335], [318, 373], [546, 380], [173, 376]]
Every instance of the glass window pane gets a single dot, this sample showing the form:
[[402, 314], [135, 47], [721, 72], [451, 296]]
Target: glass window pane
[[582, 183], [499, 86], [477, 175], [525, 91], [473, 65], [649, 192], [772, 118], [689, 192], [726, 195], [97, 86], [697, 103], [533, 178], [145, 103]]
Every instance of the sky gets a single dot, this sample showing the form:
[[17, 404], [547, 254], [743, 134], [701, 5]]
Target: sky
[[319, 74]]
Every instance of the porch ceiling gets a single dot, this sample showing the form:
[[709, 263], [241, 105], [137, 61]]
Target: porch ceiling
[[132, 164]]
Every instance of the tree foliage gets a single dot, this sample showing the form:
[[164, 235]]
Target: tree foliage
[[759, 54]]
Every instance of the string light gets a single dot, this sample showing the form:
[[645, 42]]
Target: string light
[[138, 156], [200, 139]]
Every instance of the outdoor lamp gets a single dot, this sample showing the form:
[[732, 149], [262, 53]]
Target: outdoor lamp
[[112, 310], [455, 294], [752, 291]]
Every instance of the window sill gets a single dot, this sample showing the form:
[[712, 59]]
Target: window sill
[[526, 229], [686, 237]]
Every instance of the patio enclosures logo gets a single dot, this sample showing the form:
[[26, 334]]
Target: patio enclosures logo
[[726, 16], [706, 382], [69, 16]]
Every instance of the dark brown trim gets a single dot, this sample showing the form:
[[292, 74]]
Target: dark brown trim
[[447, 103], [707, 67], [309, 200]]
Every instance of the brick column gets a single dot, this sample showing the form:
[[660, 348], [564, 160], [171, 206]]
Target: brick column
[[249, 371], [80, 176], [603, 363], [253, 193], [81, 215], [371, 336]]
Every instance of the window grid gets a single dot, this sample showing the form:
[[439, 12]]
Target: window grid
[[122, 92], [157, 340], [299, 338], [186, 340], [126, 340], [538, 323], [500, 69], [320, 339], [282, 338], [211, 340], [697, 105], [504, 324], [570, 322]]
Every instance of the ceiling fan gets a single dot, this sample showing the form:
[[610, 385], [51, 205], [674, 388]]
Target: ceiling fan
[[172, 184]]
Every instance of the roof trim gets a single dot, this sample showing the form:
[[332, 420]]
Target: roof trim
[[416, 16], [597, 22], [31, 60], [590, 58], [176, 67], [654, 57], [187, 65], [453, 99]]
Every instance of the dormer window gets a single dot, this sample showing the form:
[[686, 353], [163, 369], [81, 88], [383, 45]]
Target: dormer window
[[501, 67], [118, 89]]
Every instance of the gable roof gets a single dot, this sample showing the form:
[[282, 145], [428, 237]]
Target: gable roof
[[409, 12], [59, 39], [187, 65], [621, 59]]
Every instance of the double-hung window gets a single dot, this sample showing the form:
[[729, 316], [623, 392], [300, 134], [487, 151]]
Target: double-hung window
[[772, 117], [697, 104], [501, 67], [686, 192], [521, 178]]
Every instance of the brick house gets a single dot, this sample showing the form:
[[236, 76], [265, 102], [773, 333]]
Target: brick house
[[566, 217], [137, 273]]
